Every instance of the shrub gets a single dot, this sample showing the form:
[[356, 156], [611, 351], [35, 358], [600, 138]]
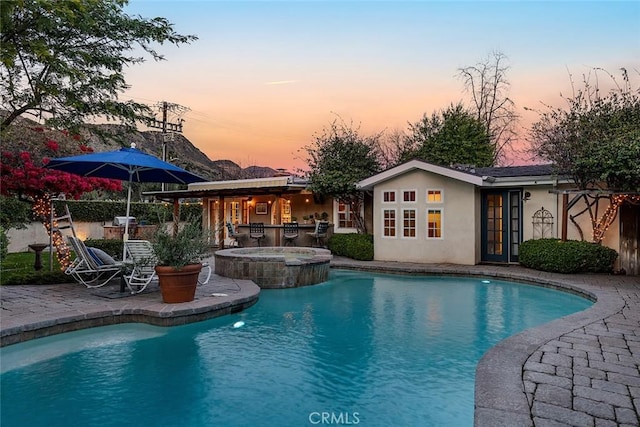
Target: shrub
[[41, 277], [353, 245], [17, 269], [570, 256], [111, 246], [99, 211], [4, 243]]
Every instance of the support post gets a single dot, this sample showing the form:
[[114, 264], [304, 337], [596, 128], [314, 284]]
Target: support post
[[224, 222], [565, 215]]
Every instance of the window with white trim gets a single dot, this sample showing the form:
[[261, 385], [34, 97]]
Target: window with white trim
[[388, 196], [408, 195], [409, 223], [434, 223], [235, 212], [345, 219], [389, 222], [434, 196]]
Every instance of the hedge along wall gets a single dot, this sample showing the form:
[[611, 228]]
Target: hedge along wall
[[106, 211], [89, 217]]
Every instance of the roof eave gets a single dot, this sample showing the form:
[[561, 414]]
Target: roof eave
[[369, 183]]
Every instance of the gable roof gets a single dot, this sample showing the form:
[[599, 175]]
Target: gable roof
[[481, 177], [460, 175]]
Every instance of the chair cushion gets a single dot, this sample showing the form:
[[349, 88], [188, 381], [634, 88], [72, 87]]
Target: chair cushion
[[93, 255], [105, 258]]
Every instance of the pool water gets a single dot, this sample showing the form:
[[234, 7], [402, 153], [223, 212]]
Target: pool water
[[368, 349]]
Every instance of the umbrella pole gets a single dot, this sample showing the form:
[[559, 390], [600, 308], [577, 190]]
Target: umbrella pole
[[125, 236]]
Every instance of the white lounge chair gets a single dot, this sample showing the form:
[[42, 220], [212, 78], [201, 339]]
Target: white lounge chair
[[141, 261], [85, 268]]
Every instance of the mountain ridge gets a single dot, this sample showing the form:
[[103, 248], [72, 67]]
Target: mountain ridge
[[28, 135]]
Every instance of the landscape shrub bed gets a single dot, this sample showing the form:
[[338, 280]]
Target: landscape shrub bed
[[353, 245], [571, 256]]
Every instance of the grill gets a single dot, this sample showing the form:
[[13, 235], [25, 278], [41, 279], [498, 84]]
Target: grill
[[120, 221]]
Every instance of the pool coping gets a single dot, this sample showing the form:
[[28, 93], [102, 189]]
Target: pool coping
[[36, 311]]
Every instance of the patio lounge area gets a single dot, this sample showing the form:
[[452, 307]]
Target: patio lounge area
[[578, 370]]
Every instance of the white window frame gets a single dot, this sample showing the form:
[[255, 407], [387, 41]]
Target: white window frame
[[415, 220], [235, 212], [440, 190], [441, 223], [395, 196], [414, 190], [395, 228], [336, 219]]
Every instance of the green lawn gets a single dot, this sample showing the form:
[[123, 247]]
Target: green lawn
[[17, 269]]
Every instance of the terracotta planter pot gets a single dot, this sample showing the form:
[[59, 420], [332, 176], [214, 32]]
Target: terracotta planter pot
[[178, 285]]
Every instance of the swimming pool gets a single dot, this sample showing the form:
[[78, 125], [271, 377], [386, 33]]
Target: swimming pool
[[360, 349]]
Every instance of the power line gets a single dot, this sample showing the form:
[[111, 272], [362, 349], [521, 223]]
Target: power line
[[165, 125]]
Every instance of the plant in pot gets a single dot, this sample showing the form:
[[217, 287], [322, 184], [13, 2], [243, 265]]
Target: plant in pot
[[179, 260]]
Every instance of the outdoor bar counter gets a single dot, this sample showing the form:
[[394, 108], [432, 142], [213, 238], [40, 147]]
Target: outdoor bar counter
[[273, 235]]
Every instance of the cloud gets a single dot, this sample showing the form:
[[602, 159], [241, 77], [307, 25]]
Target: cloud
[[281, 82]]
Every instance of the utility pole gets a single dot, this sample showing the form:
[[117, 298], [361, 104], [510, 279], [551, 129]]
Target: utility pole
[[165, 125]]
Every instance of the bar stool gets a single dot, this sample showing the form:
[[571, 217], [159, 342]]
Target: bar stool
[[256, 231], [290, 233]]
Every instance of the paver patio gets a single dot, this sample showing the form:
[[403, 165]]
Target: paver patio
[[581, 370]]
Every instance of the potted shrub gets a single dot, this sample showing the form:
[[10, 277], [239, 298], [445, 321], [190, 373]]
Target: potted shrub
[[305, 218], [179, 259]]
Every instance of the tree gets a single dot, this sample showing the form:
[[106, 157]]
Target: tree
[[339, 158], [24, 178], [394, 145], [595, 139], [451, 136], [63, 60], [487, 84]]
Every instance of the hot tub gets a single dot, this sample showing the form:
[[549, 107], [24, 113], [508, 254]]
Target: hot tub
[[275, 267]]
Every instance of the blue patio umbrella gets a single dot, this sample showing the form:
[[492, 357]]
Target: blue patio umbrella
[[126, 164]]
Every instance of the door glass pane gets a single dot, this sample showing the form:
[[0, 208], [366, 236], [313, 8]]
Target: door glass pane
[[494, 224], [515, 223]]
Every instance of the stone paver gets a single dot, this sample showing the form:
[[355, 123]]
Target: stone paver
[[581, 370], [34, 311]]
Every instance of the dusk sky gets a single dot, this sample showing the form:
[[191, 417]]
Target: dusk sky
[[264, 77]]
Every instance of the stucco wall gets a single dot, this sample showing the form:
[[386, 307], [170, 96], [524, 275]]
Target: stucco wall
[[19, 240], [540, 198], [611, 237], [459, 226]]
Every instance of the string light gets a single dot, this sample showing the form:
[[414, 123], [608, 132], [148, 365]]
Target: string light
[[43, 207], [601, 226]]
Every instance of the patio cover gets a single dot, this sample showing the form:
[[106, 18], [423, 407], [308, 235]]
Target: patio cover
[[238, 187]]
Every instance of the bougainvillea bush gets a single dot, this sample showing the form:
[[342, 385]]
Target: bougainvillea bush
[[24, 176]]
